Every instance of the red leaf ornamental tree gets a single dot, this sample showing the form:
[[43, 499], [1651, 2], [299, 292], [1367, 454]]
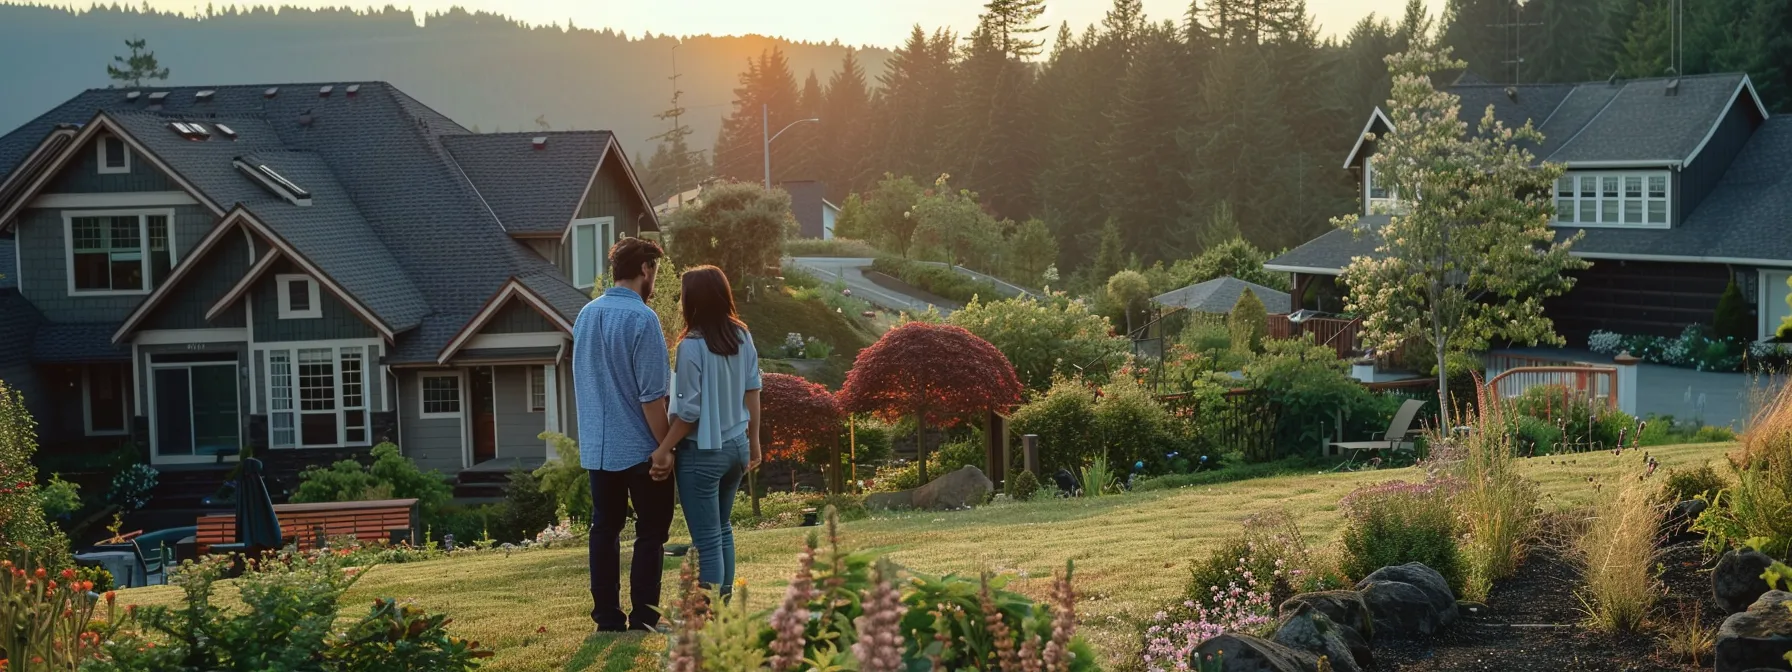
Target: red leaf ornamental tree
[[802, 420], [937, 374]]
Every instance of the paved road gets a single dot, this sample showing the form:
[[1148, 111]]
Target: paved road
[[851, 270]]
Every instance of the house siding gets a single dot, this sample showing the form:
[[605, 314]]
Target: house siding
[[1638, 297], [518, 427], [82, 175], [44, 257], [518, 318], [1701, 176], [209, 281], [338, 321], [611, 196], [431, 443]]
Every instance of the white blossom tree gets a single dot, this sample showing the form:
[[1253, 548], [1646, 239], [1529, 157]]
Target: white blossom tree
[[1467, 253]]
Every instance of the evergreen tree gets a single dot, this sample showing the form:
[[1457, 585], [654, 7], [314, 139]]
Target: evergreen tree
[[911, 111], [139, 66], [1648, 44], [674, 167], [1143, 143], [1073, 92], [1565, 46], [990, 132], [846, 138], [766, 88], [1478, 33], [1110, 256], [1011, 26]]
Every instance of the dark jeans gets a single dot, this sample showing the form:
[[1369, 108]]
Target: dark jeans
[[611, 492]]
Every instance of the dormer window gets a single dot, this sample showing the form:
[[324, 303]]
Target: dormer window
[[591, 240], [1637, 199], [1379, 195], [115, 156], [298, 297]]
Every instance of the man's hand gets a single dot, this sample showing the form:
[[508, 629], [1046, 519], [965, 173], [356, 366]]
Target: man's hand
[[755, 457], [662, 461]]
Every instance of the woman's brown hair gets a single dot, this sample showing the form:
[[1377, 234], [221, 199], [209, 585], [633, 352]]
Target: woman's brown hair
[[708, 307]]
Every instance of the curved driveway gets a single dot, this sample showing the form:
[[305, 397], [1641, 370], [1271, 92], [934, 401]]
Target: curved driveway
[[851, 270]]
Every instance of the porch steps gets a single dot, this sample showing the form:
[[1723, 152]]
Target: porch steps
[[474, 486]]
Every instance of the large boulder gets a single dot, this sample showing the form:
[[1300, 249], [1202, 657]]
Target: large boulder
[[1676, 526], [959, 489], [1759, 637], [1344, 607], [1737, 582], [956, 490], [1402, 610], [1425, 579], [1244, 653], [1310, 630]]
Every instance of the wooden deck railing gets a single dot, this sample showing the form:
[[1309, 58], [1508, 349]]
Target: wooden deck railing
[[1339, 335], [1595, 383]]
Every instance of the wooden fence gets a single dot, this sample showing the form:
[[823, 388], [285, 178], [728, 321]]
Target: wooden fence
[[1598, 384], [1246, 422], [1342, 336]]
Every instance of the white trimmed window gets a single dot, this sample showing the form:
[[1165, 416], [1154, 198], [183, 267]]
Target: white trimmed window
[[590, 249], [538, 389], [118, 252], [298, 298], [114, 155], [1623, 199], [1376, 191], [317, 397], [440, 395]]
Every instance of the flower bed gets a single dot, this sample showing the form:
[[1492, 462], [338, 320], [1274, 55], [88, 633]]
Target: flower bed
[[1694, 348]]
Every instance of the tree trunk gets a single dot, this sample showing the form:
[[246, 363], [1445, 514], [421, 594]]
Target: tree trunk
[[1443, 379], [921, 446]]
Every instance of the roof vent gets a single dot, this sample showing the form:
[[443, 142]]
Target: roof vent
[[272, 180], [352, 89], [227, 131], [325, 91], [158, 96], [204, 96], [271, 92], [540, 142], [1673, 88], [1512, 93], [133, 96], [305, 118]]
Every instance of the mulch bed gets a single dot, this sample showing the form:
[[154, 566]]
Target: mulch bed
[[1543, 593]]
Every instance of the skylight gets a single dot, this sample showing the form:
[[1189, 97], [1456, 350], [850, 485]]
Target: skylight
[[271, 92], [226, 130], [353, 89], [204, 96], [158, 96], [325, 91], [273, 181], [191, 130], [133, 96]]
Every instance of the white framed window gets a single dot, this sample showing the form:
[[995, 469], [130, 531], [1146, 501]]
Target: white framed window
[[298, 297], [105, 392], [590, 249], [117, 252], [317, 396], [114, 155], [439, 395], [1378, 195], [538, 389], [1633, 199]]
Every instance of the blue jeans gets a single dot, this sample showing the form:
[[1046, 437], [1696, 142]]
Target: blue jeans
[[707, 481]]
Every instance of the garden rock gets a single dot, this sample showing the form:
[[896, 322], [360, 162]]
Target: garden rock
[[1403, 610], [959, 489], [1310, 630], [1677, 526], [1427, 580], [1244, 653], [1757, 638], [1737, 582], [1344, 607]]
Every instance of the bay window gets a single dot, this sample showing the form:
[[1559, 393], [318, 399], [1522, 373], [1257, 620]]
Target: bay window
[[1623, 199], [118, 252], [590, 249], [317, 397]]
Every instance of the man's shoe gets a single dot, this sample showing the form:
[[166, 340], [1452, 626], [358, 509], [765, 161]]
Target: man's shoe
[[660, 629], [607, 630]]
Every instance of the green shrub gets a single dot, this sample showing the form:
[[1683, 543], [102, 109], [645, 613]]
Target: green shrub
[[1536, 436], [1732, 320], [936, 279], [1684, 483], [954, 455], [1271, 547], [391, 476], [1313, 389], [1248, 323], [1023, 486], [60, 498], [525, 511], [1127, 425], [22, 520], [1064, 420], [786, 509], [565, 477], [1042, 337], [873, 441], [1228, 473], [832, 247], [796, 277], [1398, 522]]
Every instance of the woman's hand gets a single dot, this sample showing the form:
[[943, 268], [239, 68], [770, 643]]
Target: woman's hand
[[755, 457], [662, 462]]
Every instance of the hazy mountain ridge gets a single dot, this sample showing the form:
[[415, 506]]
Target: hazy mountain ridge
[[481, 69]]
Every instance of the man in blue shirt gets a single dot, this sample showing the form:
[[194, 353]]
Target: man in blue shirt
[[619, 369]]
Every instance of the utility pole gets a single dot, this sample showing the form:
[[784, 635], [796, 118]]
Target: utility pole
[[765, 126], [1517, 46]]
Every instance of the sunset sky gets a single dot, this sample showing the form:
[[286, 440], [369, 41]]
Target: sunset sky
[[858, 22]]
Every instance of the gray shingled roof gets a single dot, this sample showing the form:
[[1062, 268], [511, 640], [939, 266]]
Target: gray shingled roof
[[1219, 295], [394, 219], [1331, 251], [531, 190], [78, 342]]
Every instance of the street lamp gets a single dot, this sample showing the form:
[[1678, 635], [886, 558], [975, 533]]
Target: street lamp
[[768, 137]]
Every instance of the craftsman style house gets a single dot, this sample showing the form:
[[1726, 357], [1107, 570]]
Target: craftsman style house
[[1679, 185], [307, 270]]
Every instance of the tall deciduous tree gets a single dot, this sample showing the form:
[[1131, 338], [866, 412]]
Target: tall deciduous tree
[[1469, 255], [139, 66], [739, 227], [938, 374]]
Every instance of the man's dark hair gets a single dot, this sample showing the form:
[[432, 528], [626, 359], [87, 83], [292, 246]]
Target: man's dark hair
[[629, 254]]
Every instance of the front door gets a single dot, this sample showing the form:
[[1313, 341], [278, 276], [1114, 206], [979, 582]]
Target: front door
[[485, 419], [195, 410]]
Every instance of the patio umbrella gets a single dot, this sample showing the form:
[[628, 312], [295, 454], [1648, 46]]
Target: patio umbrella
[[257, 527]]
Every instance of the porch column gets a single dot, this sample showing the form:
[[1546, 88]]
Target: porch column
[[552, 408], [1626, 365]]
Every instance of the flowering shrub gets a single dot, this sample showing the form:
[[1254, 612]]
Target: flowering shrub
[[45, 618], [1397, 522], [131, 486], [1245, 609], [1694, 347], [852, 610]]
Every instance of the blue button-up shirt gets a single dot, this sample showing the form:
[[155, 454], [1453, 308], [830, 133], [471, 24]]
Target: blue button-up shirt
[[711, 389], [619, 361]]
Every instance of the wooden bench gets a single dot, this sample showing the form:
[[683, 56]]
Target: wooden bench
[[375, 521]]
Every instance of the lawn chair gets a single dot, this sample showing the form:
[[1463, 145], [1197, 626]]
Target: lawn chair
[[1398, 436], [155, 552]]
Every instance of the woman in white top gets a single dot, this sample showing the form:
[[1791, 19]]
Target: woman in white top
[[715, 419]]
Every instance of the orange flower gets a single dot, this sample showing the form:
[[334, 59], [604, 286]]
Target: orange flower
[[111, 596]]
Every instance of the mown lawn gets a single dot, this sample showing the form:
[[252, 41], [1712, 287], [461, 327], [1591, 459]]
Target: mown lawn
[[1131, 554]]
